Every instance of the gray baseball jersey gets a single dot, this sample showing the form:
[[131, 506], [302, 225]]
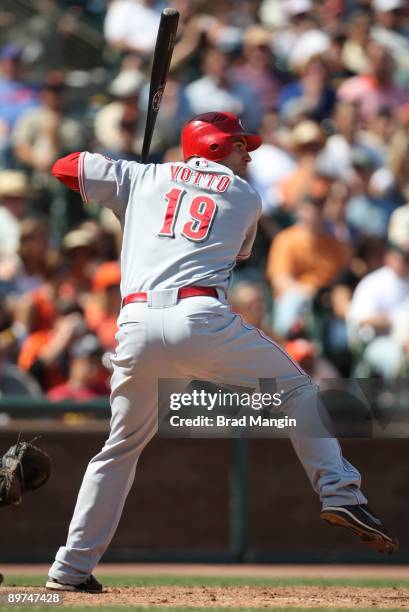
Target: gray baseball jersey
[[183, 223]]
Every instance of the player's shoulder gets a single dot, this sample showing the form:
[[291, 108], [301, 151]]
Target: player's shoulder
[[133, 168], [247, 190], [245, 185]]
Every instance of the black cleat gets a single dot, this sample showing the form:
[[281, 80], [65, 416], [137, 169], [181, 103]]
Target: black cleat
[[90, 585], [364, 522]]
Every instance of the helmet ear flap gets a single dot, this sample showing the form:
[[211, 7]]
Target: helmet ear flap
[[219, 150]]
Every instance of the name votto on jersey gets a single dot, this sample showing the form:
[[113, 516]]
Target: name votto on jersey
[[206, 180]]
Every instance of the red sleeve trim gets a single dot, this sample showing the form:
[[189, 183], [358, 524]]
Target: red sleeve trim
[[65, 170], [81, 177]]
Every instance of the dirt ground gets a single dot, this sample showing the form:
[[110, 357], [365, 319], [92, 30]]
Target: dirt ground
[[238, 596], [242, 596], [243, 570]]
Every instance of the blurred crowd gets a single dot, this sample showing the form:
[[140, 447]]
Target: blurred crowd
[[325, 83]]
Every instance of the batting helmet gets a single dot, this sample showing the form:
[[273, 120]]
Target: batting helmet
[[211, 135]]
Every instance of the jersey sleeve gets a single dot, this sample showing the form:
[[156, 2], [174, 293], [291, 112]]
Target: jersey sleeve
[[245, 250], [105, 181], [65, 170]]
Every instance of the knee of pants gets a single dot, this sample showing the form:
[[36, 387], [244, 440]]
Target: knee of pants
[[296, 393], [122, 445]]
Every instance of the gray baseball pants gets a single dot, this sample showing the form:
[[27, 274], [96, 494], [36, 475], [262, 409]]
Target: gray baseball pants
[[194, 338]]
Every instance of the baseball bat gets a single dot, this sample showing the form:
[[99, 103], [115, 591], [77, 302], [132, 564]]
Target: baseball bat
[[162, 56]]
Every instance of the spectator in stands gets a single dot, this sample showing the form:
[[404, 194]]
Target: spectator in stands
[[14, 194], [44, 352], [201, 24], [37, 310], [369, 255], [372, 204], [354, 54], [307, 140], [34, 255], [16, 96], [379, 298], [334, 212], [374, 89], [312, 93], [391, 31], [217, 89], [13, 381], [248, 300], [294, 17], [256, 68], [44, 133], [102, 236], [336, 156], [79, 254], [87, 377], [117, 123], [223, 25], [132, 25], [376, 137], [303, 259], [271, 162], [102, 308]]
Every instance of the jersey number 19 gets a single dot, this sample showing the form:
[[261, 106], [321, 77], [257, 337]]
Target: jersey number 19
[[202, 211]]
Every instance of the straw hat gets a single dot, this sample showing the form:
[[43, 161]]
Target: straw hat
[[14, 183]]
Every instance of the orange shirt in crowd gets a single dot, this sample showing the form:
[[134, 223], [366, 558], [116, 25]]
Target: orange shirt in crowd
[[312, 260], [103, 324], [31, 351]]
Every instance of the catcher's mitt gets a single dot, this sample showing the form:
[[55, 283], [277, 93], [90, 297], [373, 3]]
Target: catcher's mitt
[[24, 467]]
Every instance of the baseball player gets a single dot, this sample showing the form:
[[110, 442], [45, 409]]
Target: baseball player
[[184, 227]]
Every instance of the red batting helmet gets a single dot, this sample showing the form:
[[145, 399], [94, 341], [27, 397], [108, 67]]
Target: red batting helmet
[[211, 135]]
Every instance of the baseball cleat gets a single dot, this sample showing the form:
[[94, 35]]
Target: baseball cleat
[[90, 585], [364, 522]]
